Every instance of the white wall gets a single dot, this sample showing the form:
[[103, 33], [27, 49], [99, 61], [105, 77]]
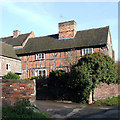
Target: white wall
[[15, 65]]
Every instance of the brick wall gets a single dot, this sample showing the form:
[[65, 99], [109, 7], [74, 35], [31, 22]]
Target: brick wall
[[104, 90], [15, 90]]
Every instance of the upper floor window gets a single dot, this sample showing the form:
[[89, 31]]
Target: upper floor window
[[87, 50], [8, 67], [40, 56]]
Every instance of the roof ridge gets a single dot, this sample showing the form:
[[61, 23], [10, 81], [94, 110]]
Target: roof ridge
[[12, 35], [77, 31], [94, 28], [6, 37], [44, 36]]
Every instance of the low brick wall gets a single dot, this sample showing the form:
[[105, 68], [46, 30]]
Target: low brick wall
[[104, 90], [15, 90]]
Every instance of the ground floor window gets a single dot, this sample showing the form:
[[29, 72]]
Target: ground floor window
[[42, 72], [8, 67]]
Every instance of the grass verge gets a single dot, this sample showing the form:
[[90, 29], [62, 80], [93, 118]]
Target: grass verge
[[23, 111], [114, 101]]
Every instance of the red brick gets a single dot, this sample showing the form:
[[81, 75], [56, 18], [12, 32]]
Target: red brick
[[96, 49], [47, 56], [57, 62]]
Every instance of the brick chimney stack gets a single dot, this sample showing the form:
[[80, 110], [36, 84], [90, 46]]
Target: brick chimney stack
[[16, 33], [67, 29]]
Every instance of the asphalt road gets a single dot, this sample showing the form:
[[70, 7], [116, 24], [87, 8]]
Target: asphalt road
[[57, 109]]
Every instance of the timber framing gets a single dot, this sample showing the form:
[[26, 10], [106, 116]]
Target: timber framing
[[54, 60]]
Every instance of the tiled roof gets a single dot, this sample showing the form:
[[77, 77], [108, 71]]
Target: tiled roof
[[85, 38], [15, 41], [7, 51]]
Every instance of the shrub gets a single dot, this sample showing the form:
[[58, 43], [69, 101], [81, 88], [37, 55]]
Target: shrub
[[22, 110], [58, 78], [101, 67], [33, 77], [91, 70], [11, 75]]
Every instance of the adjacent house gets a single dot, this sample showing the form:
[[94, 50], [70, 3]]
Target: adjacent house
[[9, 60], [41, 55], [18, 40]]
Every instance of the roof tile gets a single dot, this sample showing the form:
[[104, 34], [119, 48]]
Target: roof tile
[[85, 38]]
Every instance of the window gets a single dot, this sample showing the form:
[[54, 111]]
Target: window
[[87, 50], [42, 72], [40, 56], [8, 66]]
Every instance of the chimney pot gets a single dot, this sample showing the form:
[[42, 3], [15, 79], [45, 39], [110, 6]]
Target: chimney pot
[[16, 33]]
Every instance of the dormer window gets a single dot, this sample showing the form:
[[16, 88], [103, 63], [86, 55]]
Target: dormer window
[[40, 56]]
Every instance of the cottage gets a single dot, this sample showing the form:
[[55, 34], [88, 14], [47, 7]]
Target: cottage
[[9, 60], [41, 55]]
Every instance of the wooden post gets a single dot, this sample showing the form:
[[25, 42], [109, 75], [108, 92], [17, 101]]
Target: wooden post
[[90, 98]]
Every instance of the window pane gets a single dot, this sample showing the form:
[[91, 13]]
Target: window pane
[[90, 50], [39, 56], [42, 56], [86, 51], [36, 57], [6, 66], [44, 73], [36, 73], [40, 72]]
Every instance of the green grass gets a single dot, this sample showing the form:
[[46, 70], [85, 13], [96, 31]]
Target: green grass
[[21, 112], [114, 101]]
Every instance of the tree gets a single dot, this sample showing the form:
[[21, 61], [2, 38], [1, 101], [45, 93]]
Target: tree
[[11, 75], [91, 70], [118, 68]]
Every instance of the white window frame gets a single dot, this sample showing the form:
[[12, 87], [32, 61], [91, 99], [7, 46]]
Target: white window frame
[[37, 72], [9, 66], [40, 56], [86, 49]]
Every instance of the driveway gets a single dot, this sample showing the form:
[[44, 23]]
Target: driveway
[[66, 110]]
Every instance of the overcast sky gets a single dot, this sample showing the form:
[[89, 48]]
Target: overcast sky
[[43, 18]]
